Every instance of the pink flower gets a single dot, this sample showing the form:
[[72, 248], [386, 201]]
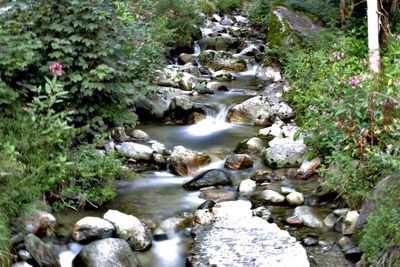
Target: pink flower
[[340, 55], [354, 81], [136, 42], [398, 37], [26, 109], [371, 110], [56, 69]]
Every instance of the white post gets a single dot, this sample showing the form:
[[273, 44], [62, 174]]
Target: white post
[[373, 36]]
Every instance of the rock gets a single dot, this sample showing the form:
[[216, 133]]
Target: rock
[[294, 220], [223, 75], [167, 228], [221, 60], [119, 134], [129, 228], [135, 151], [285, 153], [202, 216], [159, 148], [139, 134], [216, 17], [253, 145], [91, 228], [209, 178], [246, 187], [341, 212], [238, 162], [255, 242], [263, 213], [154, 104], [186, 162], [275, 130], [205, 72], [287, 28], [261, 176], [271, 196], [21, 264], [217, 194], [186, 58], [159, 159], [216, 86], [344, 241], [225, 43], [352, 252], [295, 198], [269, 74], [310, 241], [350, 222], [40, 252], [330, 221], [181, 106], [24, 255], [207, 204], [308, 168], [109, 146], [254, 111], [308, 217], [188, 82], [282, 110], [41, 223], [287, 190], [110, 252], [241, 20], [226, 22]]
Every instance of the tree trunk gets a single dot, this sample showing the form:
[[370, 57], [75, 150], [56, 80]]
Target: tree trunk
[[373, 36], [342, 13]]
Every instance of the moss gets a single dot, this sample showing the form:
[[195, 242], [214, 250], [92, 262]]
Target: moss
[[278, 38]]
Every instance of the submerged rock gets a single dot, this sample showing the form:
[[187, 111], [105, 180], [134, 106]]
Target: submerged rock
[[185, 162], [130, 228], [233, 237], [109, 252], [209, 178]]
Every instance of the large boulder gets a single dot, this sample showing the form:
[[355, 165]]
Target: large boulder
[[109, 252], [269, 74], [135, 151], [232, 236], [284, 152], [154, 104], [254, 111], [40, 252], [91, 228], [287, 28], [225, 43], [185, 162], [221, 60], [209, 178], [130, 228]]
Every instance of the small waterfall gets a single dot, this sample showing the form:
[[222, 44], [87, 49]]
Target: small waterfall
[[197, 49], [214, 122]]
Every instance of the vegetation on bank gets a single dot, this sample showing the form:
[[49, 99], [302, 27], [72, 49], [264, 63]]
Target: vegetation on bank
[[350, 115]]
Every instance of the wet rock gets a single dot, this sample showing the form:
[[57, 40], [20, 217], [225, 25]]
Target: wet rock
[[238, 162], [310, 241], [271, 196], [255, 242], [294, 220], [241, 20], [226, 22], [159, 159], [213, 193], [350, 222], [344, 241], [110, 252], [246, 187], [330, 221], [225, 43], [308, 217], [135, 151], [139, 134], [284, 152], [129, 228], [295, 198], [119, 134], [275, 130], [24, 255], [307, 168], [181, 106], [287, 190], [207, 204], [186, 58], [352, 252], [262, 176], [223, 75], [41, 223], [40, 252], [185, 162], [216, 17], [216, 86], [167, 228], [154, 104], [188, 82], [209, 178], [253, 145], [204, 71], [254, 111], [263, 213], [341, 212], [221, 60], [202, 217], [159, 148], [91, 228], [269, 74]]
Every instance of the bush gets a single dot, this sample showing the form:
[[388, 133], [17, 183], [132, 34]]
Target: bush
[[105, 60], [228, 5]]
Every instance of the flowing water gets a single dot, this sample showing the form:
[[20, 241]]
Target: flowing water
[[157, 195]]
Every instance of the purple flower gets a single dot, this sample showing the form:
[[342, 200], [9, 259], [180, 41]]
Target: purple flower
[[56, 69], [354, 81], [340, 55], [371, 110], [136, 42]]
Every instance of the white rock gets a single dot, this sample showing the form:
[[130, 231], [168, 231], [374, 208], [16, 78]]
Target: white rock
[[247, 186], [350, 222], [295, 198], [135, 151], [308, 217], [272, 196], [91, 228]]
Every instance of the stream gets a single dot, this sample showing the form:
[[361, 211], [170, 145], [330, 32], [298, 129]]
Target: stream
[[158, 195]]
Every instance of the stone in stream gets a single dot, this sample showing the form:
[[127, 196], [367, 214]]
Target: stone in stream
[[225, 43], [209, 178], [308, 217], [221, 60], [246, 187], [271, 196], [234, 237], [252, 145], [207, 205], [40, 252], [186, 162], [253, 111], [135, 151], [89, 228], [130, 228], [262, 176], [186, 58], [223, 75], [154, 104], [40, 223], [216, 86], [238, 162], [109, 252], [269, 74], [308, 168], [349, 223], [284, 152], [295, 198], [168, 227]]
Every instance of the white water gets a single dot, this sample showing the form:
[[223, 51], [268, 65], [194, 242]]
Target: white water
[[211, 124], [197, 49]]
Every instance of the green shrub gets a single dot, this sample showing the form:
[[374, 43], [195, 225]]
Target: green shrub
[[206, 7], [228, 5]]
